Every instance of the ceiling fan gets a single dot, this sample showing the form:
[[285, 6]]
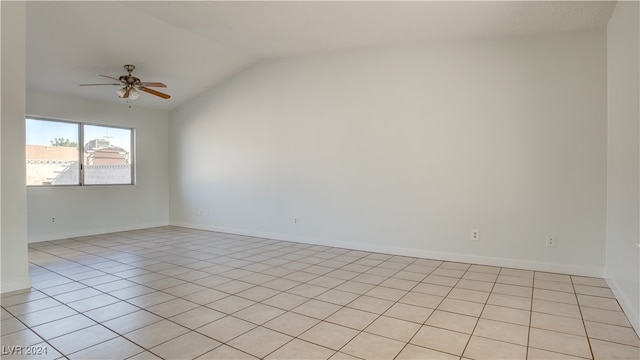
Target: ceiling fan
[[131, 84]]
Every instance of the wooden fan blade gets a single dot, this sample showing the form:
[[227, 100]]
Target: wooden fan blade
[[126, 93], [99, 84], [154, 92], [153, 84], [110, 77]]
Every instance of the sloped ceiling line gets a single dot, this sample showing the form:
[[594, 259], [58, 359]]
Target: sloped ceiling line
[[193, 46]]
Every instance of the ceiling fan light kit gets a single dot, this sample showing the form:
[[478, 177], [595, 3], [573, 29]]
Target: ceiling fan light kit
[[128, 93], [131, 85]]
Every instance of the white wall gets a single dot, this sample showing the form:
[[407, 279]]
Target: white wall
[[405, 150], [13, 215], [623, 162], [99, 209]]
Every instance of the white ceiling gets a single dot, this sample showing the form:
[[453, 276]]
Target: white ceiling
[[192, 46]]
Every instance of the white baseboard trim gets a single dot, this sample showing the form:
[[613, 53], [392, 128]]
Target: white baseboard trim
[[421, 253], [89, 232], [628, 307], [15, 285]]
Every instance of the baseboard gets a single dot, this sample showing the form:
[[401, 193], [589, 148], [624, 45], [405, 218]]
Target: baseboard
[[436, 255], [90, 232], [17, 285], [627, 305]]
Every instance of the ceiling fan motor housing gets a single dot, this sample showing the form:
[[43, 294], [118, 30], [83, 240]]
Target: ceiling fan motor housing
[[129, 80]]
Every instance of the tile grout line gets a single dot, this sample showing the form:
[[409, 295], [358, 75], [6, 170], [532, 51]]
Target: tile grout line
[[480, 315], [584, 325]]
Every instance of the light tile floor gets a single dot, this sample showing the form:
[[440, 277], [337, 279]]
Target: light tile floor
[[178, 293]]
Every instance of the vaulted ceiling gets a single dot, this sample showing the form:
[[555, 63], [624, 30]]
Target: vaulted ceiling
[[193, 46]]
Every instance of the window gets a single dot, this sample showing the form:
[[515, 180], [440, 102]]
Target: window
[[53, 153], [71, 153], [107, 155]]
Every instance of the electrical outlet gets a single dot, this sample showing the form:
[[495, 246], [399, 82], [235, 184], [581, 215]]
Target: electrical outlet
[[551, 241], [296, 221], [475, 235], [53, 219]]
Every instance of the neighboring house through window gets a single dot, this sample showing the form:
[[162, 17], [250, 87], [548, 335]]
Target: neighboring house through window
[[73, 153]]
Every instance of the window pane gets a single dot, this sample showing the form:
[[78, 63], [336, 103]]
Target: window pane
[[107, 155], [52, 153]]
